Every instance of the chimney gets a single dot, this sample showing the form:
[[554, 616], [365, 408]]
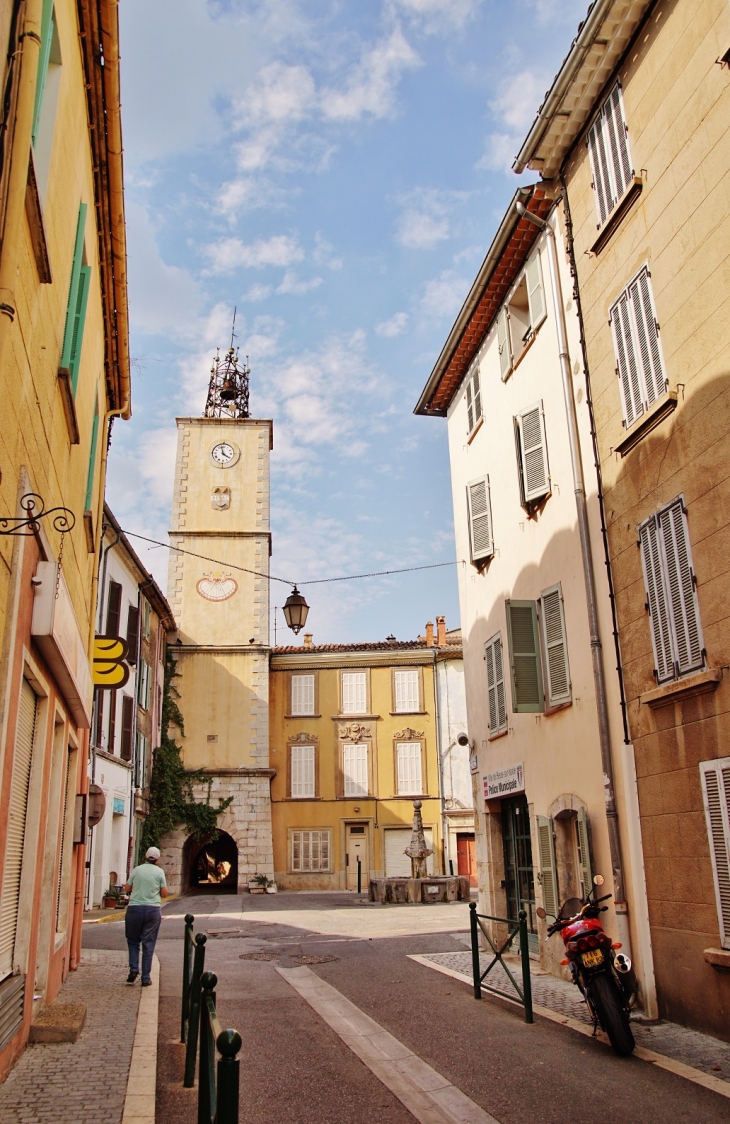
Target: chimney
[[441, 631], [429, 634], [307, 639]]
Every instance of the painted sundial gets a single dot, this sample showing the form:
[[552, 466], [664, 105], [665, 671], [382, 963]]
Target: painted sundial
[[217, 587]]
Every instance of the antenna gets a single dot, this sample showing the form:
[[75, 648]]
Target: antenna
[[233, 325]]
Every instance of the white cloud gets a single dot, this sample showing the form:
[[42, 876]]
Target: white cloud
[[370, 88], [444, 295], [424, 220], [161, 296], [257, 293], [231, 253], [296, 287], [394, 326], [513, 111], [434, 15]]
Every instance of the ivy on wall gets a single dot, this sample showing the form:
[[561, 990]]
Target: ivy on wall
[[172, 801]]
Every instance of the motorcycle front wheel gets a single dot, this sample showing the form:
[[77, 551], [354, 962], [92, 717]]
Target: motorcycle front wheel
[[607, 1000]]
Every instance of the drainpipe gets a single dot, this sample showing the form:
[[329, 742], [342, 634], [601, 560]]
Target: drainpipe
[[604, 735], [444, 832]]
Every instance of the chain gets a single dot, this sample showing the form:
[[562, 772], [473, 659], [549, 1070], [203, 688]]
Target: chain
[[58, 568]]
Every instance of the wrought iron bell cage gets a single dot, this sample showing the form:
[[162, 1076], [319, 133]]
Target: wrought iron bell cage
[[228, 388]]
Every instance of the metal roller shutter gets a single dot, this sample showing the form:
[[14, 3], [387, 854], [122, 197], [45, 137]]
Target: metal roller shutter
[[16, 826]]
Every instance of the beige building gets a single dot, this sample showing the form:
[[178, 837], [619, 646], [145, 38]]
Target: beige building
[[555, 788], [64, 374], [637, 126]]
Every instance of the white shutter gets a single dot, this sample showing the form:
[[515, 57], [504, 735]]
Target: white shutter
[[556, 645], [477, 396], [410, 781], [397, 863], [302, 771], [599, 169], [324, 850], [617, 141], [608, 148], [495, 684], [480, 520], [681, 596], [302, 694], [548, 872], [647, 337], [354, 692], [533, 451], [17, 810], [626, 366], [639, 363], [355, 760], [535, 291], [716, 792], [503, 343], [469, 408], [296, 850], [585, 852], [656, 597], [407, 699]]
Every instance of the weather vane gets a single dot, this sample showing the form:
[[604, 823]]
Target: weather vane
[[228, 387]]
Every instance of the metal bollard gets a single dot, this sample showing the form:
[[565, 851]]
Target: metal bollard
[[228, 1043], [187, 972], [194, 1011], [359, 876], [206, 1070], [525, 956], [475, 950]]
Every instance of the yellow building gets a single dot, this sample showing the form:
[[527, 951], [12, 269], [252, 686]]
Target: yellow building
[[64, 374], [353, 731]]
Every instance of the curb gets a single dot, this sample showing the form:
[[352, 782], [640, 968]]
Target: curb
[[118, 914], [139, 1101]]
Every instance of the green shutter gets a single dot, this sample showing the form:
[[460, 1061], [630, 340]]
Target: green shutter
[[73, 291], [586, 872], [548, 869], [557, 671], [92, 459], [79, 318], [524, 653], [43, 56]]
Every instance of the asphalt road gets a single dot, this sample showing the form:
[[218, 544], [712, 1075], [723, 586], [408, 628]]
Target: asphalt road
[[294, 1067]]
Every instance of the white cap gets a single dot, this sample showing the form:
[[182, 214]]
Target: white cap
[[153, 853]]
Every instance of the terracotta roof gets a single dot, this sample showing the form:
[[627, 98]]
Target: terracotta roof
[[375, 646], [505, 257]]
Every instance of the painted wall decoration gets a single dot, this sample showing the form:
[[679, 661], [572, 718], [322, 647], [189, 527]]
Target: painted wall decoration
[[217, 586], [220, 499]]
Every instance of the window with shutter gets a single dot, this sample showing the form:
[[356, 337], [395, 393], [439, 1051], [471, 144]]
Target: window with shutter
[[608, 147], [78, 321], [584, 851], [524, 651], [73, 293], [495, 684], [132, 633], [639, 363], [127, 727], [302, 694], [548, 869], [112, 727], [532, 454], [555, 646], [310, 851], [302, 772], [535, 292], [716, 793], [63, 858], [114, 604], [503, 343], [91, 472], [473, 401], [407, 692], [355, 769], [410, 776], [99, 723], [44, 55], [354, 692], [17, 813], [674, 613], [480, 520]]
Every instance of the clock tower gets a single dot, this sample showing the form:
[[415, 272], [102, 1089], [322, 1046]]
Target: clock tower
[[218, 590]]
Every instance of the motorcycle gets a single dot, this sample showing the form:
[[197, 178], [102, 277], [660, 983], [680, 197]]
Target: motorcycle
[[604, 975]]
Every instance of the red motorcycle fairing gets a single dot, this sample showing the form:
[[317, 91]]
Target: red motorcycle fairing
[[581, 927]]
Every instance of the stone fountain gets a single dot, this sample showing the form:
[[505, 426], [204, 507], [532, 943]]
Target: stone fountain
[[421, 887]]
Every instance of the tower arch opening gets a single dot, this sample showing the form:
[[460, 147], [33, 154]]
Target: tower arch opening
[[210, 865]]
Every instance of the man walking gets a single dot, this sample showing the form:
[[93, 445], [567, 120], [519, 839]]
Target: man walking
[[148, 886]]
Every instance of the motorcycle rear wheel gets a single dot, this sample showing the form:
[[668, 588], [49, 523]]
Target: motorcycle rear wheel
[[607, 1000]]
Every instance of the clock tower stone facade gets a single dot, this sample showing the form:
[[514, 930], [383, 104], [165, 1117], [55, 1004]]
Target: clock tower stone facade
[[221, 607]]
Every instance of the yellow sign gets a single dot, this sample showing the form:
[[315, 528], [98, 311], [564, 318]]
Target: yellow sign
[[110, 670]]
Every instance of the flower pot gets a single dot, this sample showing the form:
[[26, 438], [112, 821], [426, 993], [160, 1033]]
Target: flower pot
[[110, 903], [256, 889], [271, 889]]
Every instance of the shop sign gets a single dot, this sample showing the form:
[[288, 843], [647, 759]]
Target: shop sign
[[57, 634], [110, 672], [504, 782]]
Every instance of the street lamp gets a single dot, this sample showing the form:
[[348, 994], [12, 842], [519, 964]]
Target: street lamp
[[295, 611]]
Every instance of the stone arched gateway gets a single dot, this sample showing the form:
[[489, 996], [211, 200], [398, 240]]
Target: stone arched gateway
[[210, 865]]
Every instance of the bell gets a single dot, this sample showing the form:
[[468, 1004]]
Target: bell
[[228, 391]]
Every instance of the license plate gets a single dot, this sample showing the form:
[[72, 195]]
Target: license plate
[[590, 959]]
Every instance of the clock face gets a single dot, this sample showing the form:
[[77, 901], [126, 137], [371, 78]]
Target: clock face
[[223, 454]]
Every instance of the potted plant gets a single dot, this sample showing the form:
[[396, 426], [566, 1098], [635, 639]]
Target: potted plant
[[111, 897], [259, 883]]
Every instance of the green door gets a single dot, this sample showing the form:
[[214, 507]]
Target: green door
[[518, 872]]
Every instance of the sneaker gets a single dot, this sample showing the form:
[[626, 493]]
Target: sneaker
[[131, 978], [146, 983]]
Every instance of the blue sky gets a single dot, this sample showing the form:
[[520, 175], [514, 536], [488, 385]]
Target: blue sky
[[336, 169]]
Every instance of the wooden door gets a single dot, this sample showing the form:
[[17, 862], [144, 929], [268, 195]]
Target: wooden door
[[466, 857], [356, 847]]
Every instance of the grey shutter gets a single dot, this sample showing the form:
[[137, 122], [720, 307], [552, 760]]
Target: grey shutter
[[533, 453], [586, 871], [556, 646], [477, 396], [627, 367], [535, 291], [495, 684], [601, 185], [469, 408], [647, 337], [681, 596], [480, 520], [524, 651], [17, 812], [548, 871], [503, 343], [656, 599], [716, 792]]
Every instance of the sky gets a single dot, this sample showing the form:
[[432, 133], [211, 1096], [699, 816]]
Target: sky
[[335, 170]]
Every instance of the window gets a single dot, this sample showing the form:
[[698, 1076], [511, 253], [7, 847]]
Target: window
[[92, 459], [473, 401], [495, 685], [146, 619], [584, 852], [521, 316], [639, 363], [354, 692], [113, 608], [132, 633], [716, 794], [524, 652], [144, 689], [406, 692], [548, 868], [302, 694], [302, 766], [674, 612], [78, 295], [112, 727], [142, 763], [355, 769], [608, 147], [409, 768], [480, 520], [555, 647], [127, 723], [48, 83], [532, 460], [310, 850]]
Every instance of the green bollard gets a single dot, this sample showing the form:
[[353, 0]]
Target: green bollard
[[475, 950], [525, 957], [228, 1043], [194, 1011], [187, 963]]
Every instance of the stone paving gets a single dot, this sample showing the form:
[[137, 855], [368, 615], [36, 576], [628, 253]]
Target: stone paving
[[84, 1082], [688, 1046]]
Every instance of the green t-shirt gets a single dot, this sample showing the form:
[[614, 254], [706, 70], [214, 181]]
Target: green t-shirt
[[146, 881]]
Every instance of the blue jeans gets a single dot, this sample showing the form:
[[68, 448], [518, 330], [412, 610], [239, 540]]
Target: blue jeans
[[141, 926]]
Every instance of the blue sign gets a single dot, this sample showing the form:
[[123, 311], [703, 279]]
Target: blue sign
[[118, 806]]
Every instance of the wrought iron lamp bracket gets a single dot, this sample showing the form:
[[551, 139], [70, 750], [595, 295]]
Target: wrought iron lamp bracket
[[33, 505]]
